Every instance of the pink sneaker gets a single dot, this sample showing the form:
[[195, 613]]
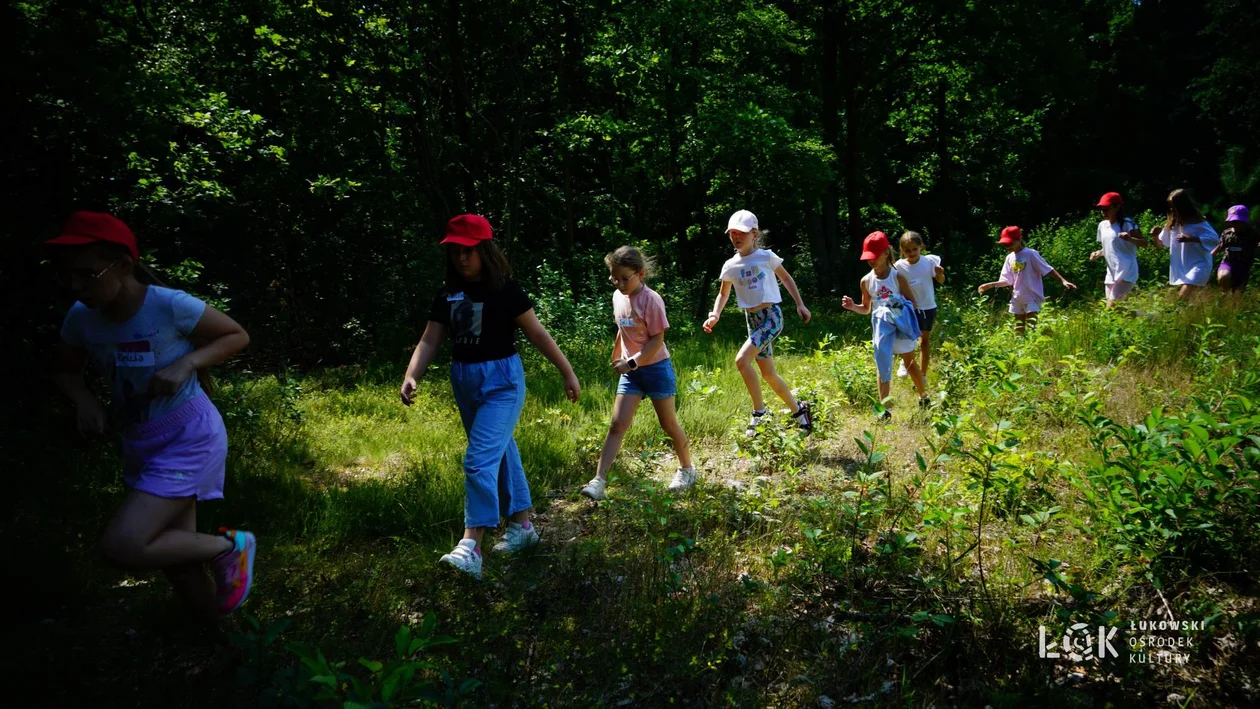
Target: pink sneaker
[[234, 570]]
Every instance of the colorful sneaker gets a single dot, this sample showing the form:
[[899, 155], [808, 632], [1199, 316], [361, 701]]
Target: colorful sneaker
[[683, 479], [233, 570], [758, 417], [516, 538], [595, 488], [465, 557], [901, 370], [804, 417]]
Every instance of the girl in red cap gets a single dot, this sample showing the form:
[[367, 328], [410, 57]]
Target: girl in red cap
[[481, 307], [1120, 238], [1022, 272], [755, 273], [888, 298], [152, 342]]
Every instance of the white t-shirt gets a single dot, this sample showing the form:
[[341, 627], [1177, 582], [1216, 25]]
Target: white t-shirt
[[1190, 263], [753, 277], [922, 279], [1120, 255]]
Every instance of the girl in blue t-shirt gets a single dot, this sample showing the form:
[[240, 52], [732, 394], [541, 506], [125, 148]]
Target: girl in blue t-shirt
[[151, 342]]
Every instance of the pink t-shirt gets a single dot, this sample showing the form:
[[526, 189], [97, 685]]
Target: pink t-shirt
[[639, 317], [1023, 269]]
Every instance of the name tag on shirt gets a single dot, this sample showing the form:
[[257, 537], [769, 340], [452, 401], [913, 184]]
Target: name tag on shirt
[[625, 322], [134, 354], [915, 281], [455, 297]]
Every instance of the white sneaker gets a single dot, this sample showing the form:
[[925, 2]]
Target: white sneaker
[[595, 488], [901, 370], [757, 418], [465, 558], [683, 479], [517, 538]]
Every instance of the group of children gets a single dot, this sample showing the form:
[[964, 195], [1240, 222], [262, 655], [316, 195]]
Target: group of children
[[155, 344]]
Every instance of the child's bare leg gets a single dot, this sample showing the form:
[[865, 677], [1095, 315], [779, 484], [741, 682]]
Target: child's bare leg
[[780, 387], [190, 580], [885, 389], [624, 407], [141, 535], [669, 423], [925, 346], [916, 374], [1020, 323], [744, 362]]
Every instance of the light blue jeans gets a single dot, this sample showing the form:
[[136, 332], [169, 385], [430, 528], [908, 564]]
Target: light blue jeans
[[490, 396]]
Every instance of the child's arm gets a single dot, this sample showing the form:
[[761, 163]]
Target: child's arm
[[938, 273], [68, 376], [863, 309], [906, 292], [540, 338], [1156, 230], [223, 338], [790, 284], [421, 358], [1066, 283], [1096, 255], [718, 305], [650, 348], [1134, 236], [995, 284]]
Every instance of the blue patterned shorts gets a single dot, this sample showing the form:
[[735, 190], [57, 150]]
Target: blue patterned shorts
[[763, 327]]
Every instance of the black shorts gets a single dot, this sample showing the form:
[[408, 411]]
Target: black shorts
[[926, 318]]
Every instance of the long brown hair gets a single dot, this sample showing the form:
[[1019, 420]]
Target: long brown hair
[[1182, 210], [495, 269]]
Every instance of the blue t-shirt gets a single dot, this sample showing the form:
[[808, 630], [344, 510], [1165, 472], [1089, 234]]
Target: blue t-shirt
[[130, 352]]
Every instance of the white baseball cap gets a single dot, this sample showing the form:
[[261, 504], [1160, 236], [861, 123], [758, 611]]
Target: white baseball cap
[[743, 220]]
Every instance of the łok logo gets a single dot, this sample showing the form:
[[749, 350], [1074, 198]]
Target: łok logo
[[1078, 643]]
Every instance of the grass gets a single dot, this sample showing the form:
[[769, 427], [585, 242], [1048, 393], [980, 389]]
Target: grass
[[902, 564]]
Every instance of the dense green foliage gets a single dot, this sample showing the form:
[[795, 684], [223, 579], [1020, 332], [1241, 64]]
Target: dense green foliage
[[294, 162], [308, 153]]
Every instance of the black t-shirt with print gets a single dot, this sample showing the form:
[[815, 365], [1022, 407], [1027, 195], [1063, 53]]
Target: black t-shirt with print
[[481, 325]]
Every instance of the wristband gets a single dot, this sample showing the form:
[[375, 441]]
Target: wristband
[[715, 315], [633, 365]]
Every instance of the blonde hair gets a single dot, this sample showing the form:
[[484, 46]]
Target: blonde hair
[[633, 259], [911, 238]]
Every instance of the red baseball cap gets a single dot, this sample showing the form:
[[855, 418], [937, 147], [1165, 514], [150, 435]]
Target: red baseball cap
[[875, 244], [90, 227], [1111, 199], [1010, 235], [467, 230]]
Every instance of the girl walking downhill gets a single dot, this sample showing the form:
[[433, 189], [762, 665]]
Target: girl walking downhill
[[922, 273], [1120, 238], [481, 308], [890, 301], [152, 343], [642, 360], [1190, 241], [1022, 272], [752, 271]]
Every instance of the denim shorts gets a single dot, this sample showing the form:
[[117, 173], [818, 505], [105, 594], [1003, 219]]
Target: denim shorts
[[655, 381]]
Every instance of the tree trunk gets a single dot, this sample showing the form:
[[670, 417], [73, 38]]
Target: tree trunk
[[460, 103], [852, 128]]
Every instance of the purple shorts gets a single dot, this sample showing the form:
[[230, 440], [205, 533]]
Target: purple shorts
[[181, 454]]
